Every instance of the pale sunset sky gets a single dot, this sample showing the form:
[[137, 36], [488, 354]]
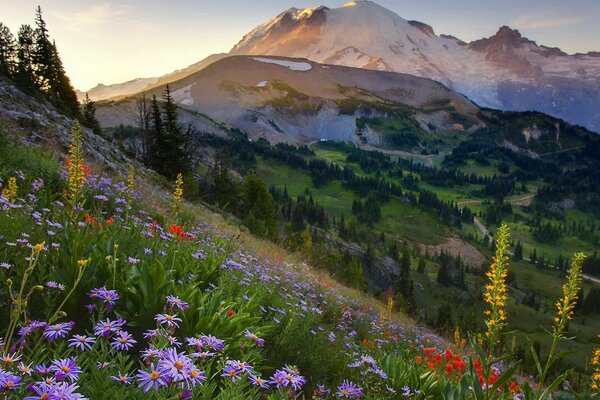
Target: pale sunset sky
[[115, 41]]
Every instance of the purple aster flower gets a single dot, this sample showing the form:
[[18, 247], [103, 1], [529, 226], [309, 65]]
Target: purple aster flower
[[109, 297], [41, 390], [9, 381], [321, 392], [258, 381], [349, 390], [229, 371], [260, 342], [24, 369], [133, 260], [150, 353], [151, 379], [81, 342], [65, 369], [212, 343], [194, 376], [174, 364], [65, 391], [168, 319], [123, 379], [176, 302], [9, 358], [42, 369], [105, 328], [56, 331], [123, 341]]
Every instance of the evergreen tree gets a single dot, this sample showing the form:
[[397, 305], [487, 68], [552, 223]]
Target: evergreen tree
[[405, 283], [170, 150], [44, 54], [258, 207], [89, 115], [24, 74], [61, 91], [518, 251], [8, 51]]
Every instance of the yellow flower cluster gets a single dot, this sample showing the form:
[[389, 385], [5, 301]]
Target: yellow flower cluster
[[130, 183], [10, 191], [459, 342], [177, 193], [496, 290], [75, 164], [596, 374], [566, 304]]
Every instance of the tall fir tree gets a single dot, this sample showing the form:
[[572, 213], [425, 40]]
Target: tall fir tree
[[89, 115], [24, 74], [43, 57], [8, 51], [170, 153], [405, 283]]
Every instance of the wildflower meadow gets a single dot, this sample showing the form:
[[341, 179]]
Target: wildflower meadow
[[105, 298]]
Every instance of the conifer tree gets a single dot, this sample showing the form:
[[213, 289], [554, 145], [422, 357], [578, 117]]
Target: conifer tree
[[61, 90], [8, 51], [405, 283], [24, 74], [43, 56], [89, 115]]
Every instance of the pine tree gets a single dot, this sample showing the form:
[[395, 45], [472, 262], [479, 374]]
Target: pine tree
[[8, 51], [89, 115], [405, 283], [170, 151], [518, 251], [258, 207], [43, 56], [61, 91], [24, 74]]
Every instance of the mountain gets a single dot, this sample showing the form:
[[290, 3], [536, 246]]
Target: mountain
[[505, 71], [298, 100]]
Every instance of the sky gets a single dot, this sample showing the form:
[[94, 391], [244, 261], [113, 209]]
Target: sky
[[112, 41]]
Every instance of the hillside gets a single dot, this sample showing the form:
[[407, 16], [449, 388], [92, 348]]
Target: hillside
[[298, 101], [172, 282]]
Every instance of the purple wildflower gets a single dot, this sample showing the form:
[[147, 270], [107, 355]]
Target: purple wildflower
[[349, 390], [65, 369], [151, 379], [123, 341], [81, 342], [123, 379], [175, 302], [168, 319], [56, 331]]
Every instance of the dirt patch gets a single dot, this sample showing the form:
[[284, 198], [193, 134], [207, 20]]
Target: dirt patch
[[456, 246]]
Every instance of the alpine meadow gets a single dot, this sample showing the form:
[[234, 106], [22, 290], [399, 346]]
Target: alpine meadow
[[344, 205]]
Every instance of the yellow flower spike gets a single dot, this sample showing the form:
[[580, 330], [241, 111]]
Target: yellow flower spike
[[595, 384], [11, 189], [565, 306], [495, 295], [177, 193], [75, 164]]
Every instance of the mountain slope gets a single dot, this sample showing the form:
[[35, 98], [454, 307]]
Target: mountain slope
[[505, 71], [297, 100]]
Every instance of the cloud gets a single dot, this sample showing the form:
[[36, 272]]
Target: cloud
[[539, 21], [93, 17]]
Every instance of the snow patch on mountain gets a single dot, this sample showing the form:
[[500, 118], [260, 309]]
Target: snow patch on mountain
[[184, 95], [293, 65]]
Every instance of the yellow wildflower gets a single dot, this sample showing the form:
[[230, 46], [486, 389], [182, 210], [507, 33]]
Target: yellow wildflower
[[496, 291], [566, 304], [177, 193], [10, 191]]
